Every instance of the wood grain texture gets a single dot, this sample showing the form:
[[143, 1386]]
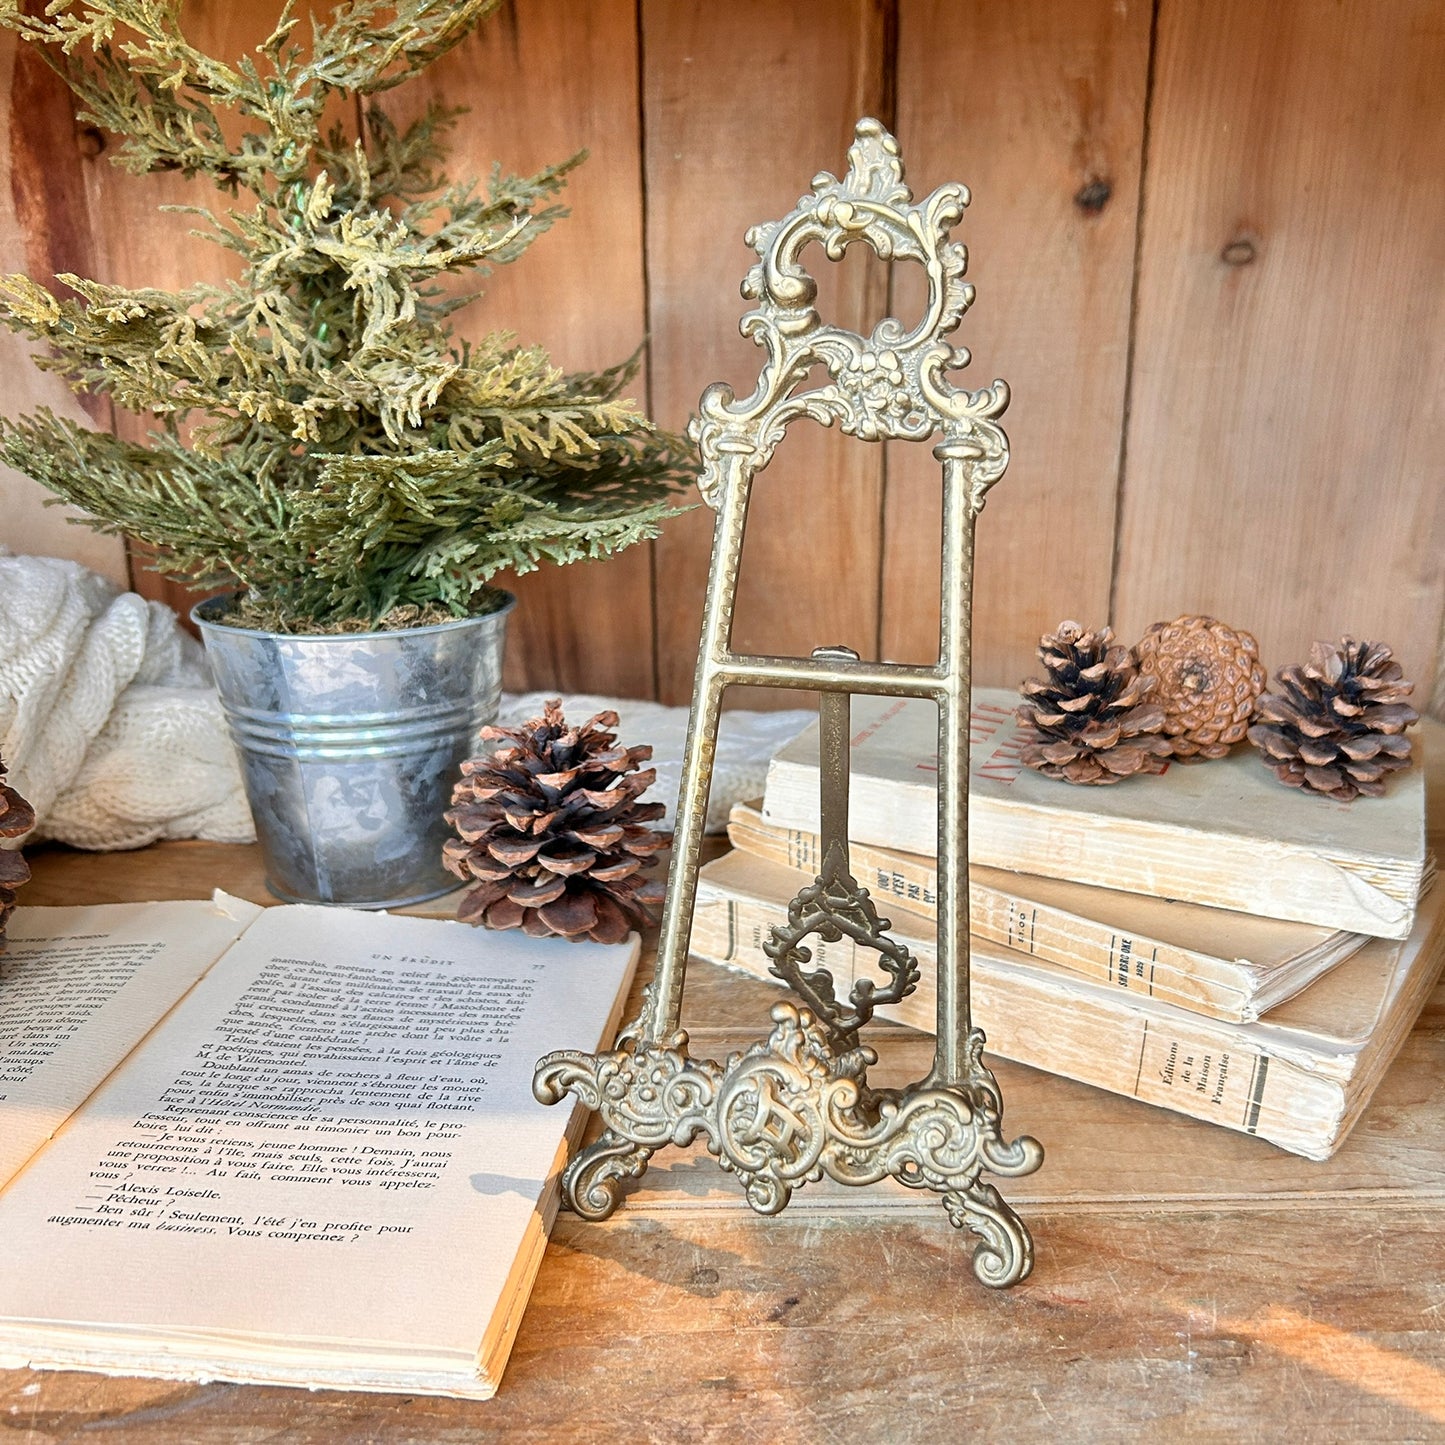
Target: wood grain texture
[[1281, 451], [1039, 108], [1190, 1282], [45, 228], [1286, 429], [1201, 1326], [745, 103], [545, 79]]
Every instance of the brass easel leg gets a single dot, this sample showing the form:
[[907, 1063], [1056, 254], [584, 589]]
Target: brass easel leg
[[663, 1009], [954, 1010], [654, 1046]]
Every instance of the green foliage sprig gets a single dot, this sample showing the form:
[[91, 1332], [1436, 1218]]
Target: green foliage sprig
[[322, 438]]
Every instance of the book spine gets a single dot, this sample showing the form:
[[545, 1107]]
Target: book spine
[[1207, 985], [1145, 967], [1203, 1071]]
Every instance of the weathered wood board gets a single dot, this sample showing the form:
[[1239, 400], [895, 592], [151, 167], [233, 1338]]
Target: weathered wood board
[[1207, 242]]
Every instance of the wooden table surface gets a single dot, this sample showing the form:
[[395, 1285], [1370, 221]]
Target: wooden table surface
[[1190, 1283]]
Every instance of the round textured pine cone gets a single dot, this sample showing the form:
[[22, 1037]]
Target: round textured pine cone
[[551, 832], [1207, 678], [17, 818], [1337, 724], [1090, 720]]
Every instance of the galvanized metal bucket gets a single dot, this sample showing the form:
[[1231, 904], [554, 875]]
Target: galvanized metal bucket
[[350, 746]]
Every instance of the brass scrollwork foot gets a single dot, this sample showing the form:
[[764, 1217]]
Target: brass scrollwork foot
[[646, 1095], [1006, 1254], [592, 1184]]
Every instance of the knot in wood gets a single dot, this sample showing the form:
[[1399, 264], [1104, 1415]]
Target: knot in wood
[[1239, 252]]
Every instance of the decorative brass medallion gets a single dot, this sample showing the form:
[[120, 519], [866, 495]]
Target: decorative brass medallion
[[797, 1105]]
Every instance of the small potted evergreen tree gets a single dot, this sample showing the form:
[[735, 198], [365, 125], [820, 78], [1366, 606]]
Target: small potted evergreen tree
[[322, 444]]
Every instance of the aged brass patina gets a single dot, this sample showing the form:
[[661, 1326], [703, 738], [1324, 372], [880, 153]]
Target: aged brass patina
[[797, 1105]]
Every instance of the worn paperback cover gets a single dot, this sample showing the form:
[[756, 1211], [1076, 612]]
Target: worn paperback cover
[[293, 1145], [1223, 833]]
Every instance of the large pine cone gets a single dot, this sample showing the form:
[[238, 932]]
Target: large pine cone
[[1206, 678], [1090, 720], [17, 817], [1337, 725], [552, 831]]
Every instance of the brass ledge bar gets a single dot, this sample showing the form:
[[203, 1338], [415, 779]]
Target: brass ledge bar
[[891, 679]]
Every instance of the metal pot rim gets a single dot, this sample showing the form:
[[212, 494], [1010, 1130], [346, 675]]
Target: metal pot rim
[[199, 617]]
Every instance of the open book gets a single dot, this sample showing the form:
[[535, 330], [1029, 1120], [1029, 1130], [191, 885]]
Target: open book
[[1223, 833], [1224, 965], [292, 1145], [1299, 1077]]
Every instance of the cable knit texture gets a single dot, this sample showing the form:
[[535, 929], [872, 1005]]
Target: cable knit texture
[[107, 714]]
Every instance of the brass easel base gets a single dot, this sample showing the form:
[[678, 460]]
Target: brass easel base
[[789, 1109]]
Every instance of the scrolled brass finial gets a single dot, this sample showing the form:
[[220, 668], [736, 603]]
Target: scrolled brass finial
[[891, 384]]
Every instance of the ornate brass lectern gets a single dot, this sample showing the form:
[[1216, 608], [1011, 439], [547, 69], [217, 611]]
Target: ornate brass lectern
[[797, 1105]]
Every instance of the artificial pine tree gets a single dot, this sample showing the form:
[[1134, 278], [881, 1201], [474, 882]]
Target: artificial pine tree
[[323, 440]]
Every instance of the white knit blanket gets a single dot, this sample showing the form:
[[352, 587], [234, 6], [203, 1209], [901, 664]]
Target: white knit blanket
[[113, 732], [108, 721]]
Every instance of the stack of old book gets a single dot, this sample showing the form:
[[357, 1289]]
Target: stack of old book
[[1205, 940]]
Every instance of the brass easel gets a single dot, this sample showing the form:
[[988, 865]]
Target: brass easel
[[797, 1104]]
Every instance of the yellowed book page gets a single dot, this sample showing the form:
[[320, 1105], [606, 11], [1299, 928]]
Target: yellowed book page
[[1294, 1083], [80, 988], [323, 1167], [1332, 1020], [1068, 1030]]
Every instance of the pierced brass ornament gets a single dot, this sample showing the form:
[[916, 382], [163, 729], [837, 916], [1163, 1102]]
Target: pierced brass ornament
[[797, 1104]]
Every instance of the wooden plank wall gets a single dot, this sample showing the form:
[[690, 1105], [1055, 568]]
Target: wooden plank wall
[[1208, 242], [45, 226]]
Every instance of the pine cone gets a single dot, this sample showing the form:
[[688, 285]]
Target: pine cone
[[16, 818], [1337, 725], [1090, 720], [1207, 677], [552, 831]]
